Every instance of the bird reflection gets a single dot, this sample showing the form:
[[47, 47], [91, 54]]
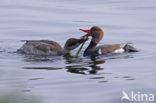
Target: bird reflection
[[81, 65], [42, 68], [76, 69], [85, 68]]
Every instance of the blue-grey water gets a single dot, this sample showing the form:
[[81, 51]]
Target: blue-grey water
[[56, 79]]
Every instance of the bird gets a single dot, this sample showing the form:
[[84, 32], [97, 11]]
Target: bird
[[97, 34], [49, 47]]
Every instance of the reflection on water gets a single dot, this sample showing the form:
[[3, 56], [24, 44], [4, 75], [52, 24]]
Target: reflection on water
[[77, 65], [90, 67], [42, 68], [35, 78]]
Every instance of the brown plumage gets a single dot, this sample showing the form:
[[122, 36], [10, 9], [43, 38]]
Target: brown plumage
[[48, 47], [97, 34], [110, 48]]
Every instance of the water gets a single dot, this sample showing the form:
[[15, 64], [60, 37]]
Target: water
[[77, 80]]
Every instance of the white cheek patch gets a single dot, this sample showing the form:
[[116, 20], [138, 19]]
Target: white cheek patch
[[100, 51], [119, 50]]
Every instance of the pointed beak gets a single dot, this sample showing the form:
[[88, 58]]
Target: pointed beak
[[86, 31]]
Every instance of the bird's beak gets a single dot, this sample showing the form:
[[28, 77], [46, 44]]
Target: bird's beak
[[86, 31]]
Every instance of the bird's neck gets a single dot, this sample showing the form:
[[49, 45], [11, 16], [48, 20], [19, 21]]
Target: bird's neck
[[90, 49]]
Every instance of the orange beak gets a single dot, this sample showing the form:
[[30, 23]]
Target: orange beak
[[86, 31]]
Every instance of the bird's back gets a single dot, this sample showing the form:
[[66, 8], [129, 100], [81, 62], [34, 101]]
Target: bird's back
[[41, 47], [116, 48]]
